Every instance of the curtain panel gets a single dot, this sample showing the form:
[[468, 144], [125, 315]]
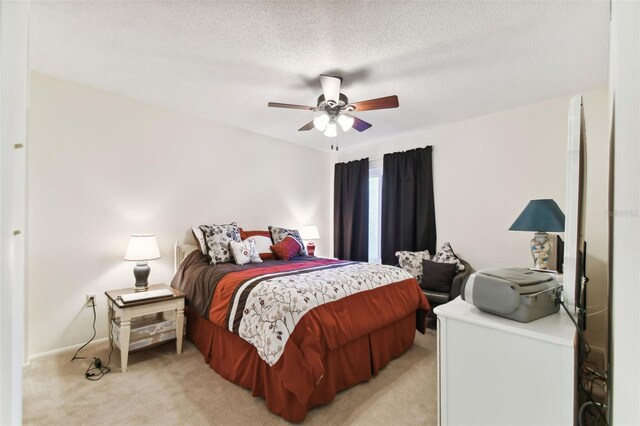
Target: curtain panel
[[351, 210], [408, 213]]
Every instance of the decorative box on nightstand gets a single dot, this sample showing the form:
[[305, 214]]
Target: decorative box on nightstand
[[145, 323]]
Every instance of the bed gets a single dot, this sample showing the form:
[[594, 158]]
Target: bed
[[297, 332]]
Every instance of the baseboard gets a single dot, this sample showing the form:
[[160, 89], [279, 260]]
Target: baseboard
[[61, 350]]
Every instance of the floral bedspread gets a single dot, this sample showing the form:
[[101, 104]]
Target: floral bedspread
[[265, 309]]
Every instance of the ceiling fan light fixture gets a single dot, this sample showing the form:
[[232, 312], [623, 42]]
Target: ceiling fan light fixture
[[345, 122], [332, 129], [334, 109], [321, 121]]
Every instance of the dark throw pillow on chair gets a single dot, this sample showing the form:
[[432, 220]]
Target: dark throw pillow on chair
[[437, 276]]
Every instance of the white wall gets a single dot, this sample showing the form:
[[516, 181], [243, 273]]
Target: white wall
[[102, 166], [486, 169], [14, 18], [625, 213]]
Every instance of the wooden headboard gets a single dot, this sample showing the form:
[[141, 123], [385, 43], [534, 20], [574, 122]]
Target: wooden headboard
[[180, 252]]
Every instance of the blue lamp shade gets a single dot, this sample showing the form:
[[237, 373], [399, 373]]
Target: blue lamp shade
[[540, 216]]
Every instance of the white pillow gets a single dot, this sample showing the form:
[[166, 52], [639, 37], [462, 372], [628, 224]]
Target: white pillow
[[245, 251], [199, 236], [263, 244]]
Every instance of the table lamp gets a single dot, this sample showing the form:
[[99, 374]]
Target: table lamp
[[310, 232], [142, 247], [540, 216]]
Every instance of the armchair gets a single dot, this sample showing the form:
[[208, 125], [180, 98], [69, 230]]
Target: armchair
[[436, 298]]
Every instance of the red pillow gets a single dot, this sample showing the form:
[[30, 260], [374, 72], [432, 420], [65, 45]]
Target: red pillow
[[287, 248], [246, 234]]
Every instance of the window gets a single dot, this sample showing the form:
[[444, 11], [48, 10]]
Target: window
[[375, 200]]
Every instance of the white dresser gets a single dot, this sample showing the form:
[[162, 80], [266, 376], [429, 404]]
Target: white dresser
[[496, 371]]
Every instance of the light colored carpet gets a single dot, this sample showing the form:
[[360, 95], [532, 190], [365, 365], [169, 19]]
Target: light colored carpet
[[161, 387]]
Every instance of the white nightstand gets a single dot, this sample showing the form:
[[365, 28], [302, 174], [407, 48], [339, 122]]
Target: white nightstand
[[127, 312]]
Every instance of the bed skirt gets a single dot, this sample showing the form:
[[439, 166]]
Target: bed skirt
[[286, 393]]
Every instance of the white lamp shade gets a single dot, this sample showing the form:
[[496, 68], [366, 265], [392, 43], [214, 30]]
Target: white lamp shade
[[332, 130], [142, 247], [320, 122], [309, 232], [345, 122]]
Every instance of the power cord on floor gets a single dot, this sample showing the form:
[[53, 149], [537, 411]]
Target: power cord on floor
[[96, 369]]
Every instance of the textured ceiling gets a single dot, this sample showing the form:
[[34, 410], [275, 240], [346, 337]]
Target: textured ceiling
[[224, 61]]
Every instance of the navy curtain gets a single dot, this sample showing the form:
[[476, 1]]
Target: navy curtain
[[408, 213], [351, 210]]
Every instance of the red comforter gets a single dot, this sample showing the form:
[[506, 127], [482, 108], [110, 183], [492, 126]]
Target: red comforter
[[231, 302]]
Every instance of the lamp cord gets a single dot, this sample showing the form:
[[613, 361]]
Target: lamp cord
[[75, 356], [96, 370]]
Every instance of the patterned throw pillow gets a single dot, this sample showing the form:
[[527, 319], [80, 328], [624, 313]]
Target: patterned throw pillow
[[217, 238], [287, 248], [411, 261], [245, 252], [446, 255], [263, 242], [263, 245], [279, 234]]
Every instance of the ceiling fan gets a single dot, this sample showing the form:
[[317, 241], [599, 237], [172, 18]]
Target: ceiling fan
[[335, 108]]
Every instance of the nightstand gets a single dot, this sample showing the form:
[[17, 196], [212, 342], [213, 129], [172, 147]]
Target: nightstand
[[127, 312]]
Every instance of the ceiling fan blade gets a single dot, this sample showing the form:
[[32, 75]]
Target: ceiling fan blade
[[306, 127], [380, 103], [330, 87], [359, 125], [290, 106]]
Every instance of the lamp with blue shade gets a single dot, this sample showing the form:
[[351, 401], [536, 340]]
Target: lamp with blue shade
[[540, 216]]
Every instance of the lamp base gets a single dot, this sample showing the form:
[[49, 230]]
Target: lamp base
[[541, 250], [141, 273], [311, 249]]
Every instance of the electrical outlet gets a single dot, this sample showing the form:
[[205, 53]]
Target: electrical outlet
[[91, 296]]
